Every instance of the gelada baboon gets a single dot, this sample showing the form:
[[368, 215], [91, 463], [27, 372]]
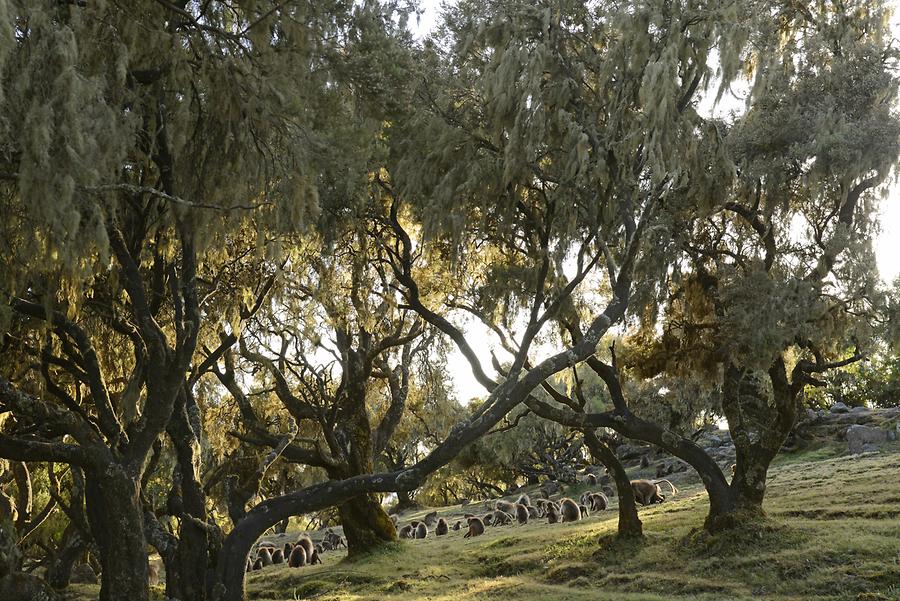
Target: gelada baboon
[[552, 515], [584, 510], [442, 528], [314, 558], [476, 527], [521, 513], [297, 558], [488, 518], [258, 564], [597, 501], [265, 554], [406, 531], [647, 492], [421, 530], [500, 518], [533, 512], [308, 546], [249, 565], [278, 556], [506, 506], [431, 519], [569, 510], [524, 500], [457, 525], [288, 547], [591, 479]]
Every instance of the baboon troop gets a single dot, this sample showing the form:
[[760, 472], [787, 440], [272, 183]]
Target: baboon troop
[[305, 552], [441, 529], [569, 510], [648, 492], [476, 527]]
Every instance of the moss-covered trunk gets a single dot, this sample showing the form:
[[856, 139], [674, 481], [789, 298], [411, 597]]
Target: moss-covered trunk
[[112, 499], [761, 409]]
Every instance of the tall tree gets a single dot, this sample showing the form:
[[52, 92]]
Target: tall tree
[[134, 140]]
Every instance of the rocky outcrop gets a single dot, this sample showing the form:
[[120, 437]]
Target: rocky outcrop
[[864, 439]]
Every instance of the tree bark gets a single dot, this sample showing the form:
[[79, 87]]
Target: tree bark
[[760, 419], [116, 518], [366, 525], [630, 525], [71, 548]]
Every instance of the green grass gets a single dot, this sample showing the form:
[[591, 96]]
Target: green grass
[[833, 532]]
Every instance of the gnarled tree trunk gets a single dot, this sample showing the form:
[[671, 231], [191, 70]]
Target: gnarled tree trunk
[[630, 525], [112, 499]]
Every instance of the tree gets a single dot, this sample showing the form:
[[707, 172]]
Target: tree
[[338, 353], [135, 140], [772, 289]]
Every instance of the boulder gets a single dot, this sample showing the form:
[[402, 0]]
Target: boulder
[[862, 439], [839, 408], [861, 410]]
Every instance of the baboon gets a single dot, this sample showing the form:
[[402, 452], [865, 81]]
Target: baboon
[[597, 501], [396, 519], [533, 512], [488, 518], [431, 519], [406, 531], [584, 511], [648, 491], [249, 565], [297, 557], [524, 500], [314, 558], [476, 527], [442, 528], [265, 555], [501, 518], [308, 546], [591, 479], [421, 530], [456, 526], [569, 510], [278, 556], [320, 547], [552, 516], [288, 547], [258, 564], [521, 513], [334, 540], [506, 506]]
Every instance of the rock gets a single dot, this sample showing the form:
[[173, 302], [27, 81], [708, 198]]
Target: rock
[[862, 439], [859, 410], [811, 414], [83, 574], [839, 408], [715, 441]]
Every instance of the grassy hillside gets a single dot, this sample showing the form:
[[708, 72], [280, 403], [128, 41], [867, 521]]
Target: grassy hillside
[[833, 533]]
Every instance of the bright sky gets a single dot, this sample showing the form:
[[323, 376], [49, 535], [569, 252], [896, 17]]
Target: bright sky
[[887, 241]]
